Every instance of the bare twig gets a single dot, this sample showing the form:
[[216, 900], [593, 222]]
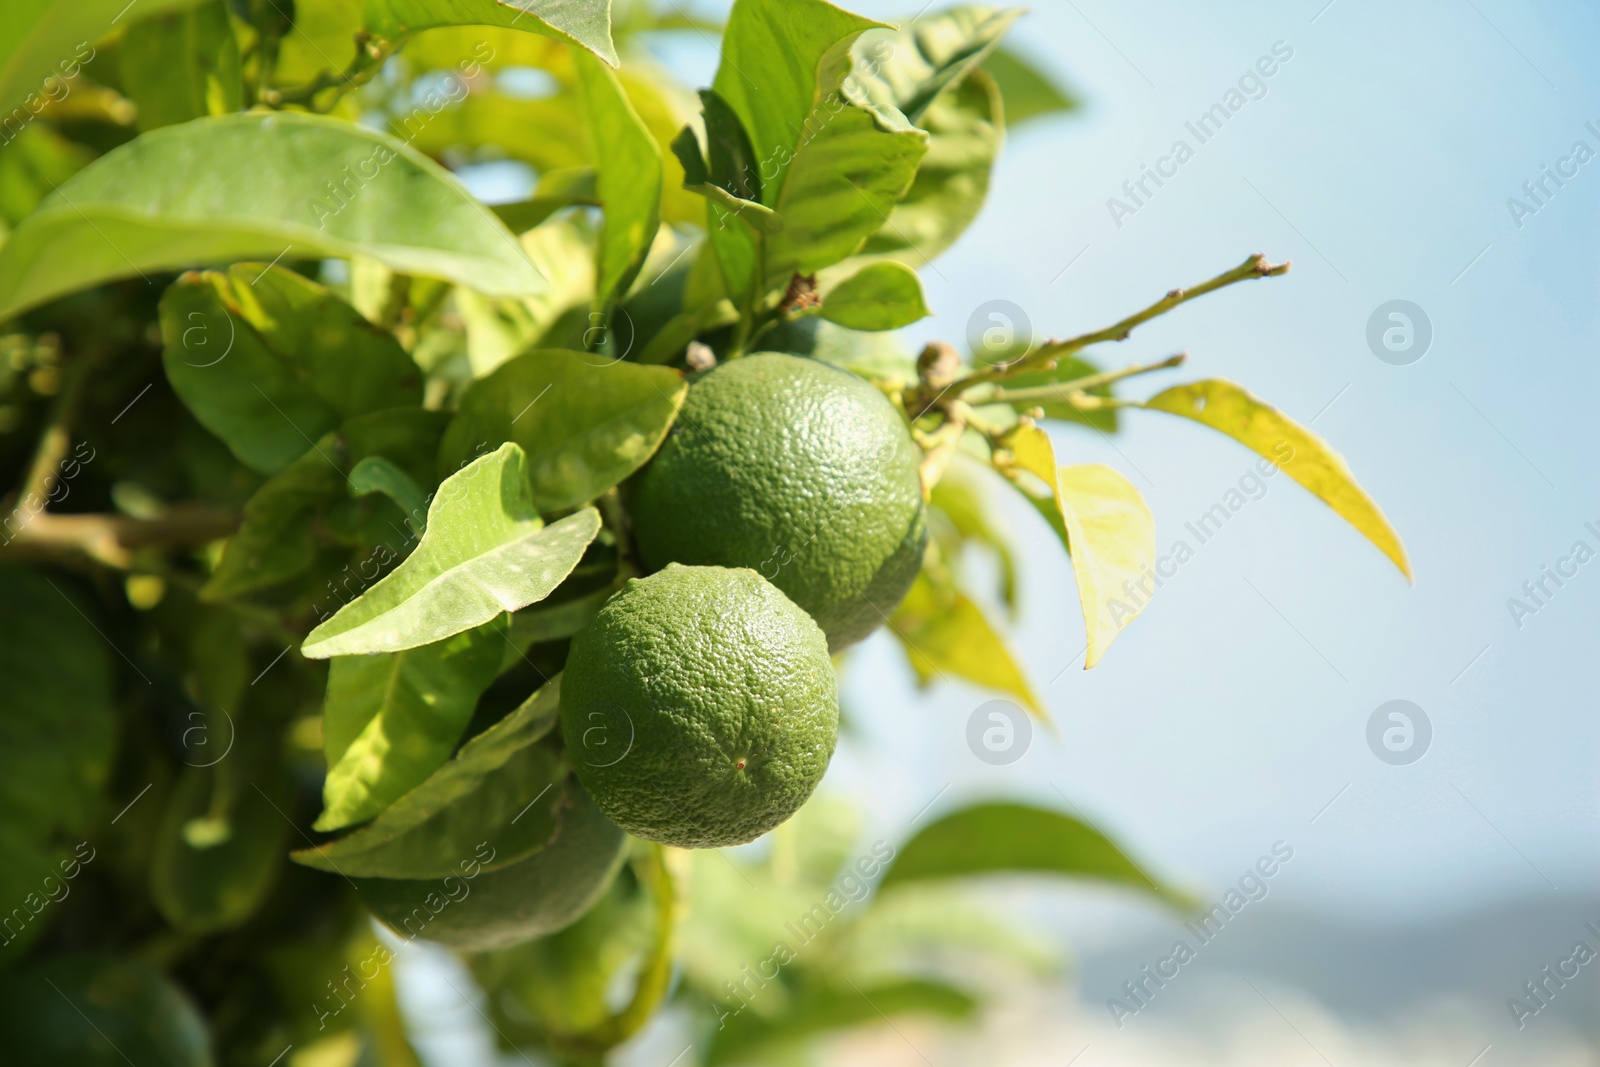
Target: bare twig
[[1254, 267]]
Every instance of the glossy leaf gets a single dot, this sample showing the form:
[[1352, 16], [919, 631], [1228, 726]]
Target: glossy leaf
[[629, 185], [255, 186], [583, 22], [585, 423], [182, 65], [909, 69], [1305, 457], [879, 296], [501, 787], [286, 521], [847, 176], [485, 552], [392, 720], [201, 890], [269, 361], [965, 132], [57, 729], [46, 39], [944, 633], [1113, 539], [1027, 92], [799, 51], [1002, 838]]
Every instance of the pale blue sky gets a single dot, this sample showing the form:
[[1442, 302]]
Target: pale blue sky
[[1380, 160]]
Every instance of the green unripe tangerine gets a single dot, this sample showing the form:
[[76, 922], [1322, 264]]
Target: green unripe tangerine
[[800, 471], [700, 707], [497, 909]]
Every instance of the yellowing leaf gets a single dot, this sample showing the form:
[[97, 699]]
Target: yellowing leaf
[[1303, 455], [1113, 539], [1105, 525], [945, 633]]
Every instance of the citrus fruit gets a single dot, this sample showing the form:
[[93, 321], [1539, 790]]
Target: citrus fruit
[[531, 898], [94, 1010], [797, 470], [699, 707]]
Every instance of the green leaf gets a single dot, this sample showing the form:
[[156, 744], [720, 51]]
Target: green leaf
[[944, 633], [735, 174], [201, 890], [555, 622], [799, 53], [732, 158], [585, 423], [486, 552], [502, 787], [556, 190], [846, 178], [46, 39], [820, 1009], [287, 521], [1017, 838], [629, 167], [1266, 431], [879, 296], [256, 186], [375, 474], [1028, 94], [182, 65], [269, 361], [586, 23], [57, 731], [1113, 539], [392, 720], [909, 69], [965, 131]]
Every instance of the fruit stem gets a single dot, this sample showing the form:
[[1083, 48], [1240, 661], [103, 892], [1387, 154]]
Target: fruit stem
[[1254, 267]]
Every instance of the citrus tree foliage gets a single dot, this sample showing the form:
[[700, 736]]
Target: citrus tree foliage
[[317, 464]]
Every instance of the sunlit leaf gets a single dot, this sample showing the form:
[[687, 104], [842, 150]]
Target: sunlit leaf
[[1027, 92], [1002, 838], [944, 633], [583, 22], [391, 720], [584, 422], [879, 296], [908, 69], [485, 552], [965, 131], [628, 162], [848, 174], [258, 186], [1305, 457]]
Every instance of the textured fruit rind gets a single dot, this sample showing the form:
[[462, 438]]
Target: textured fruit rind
[[797, 470], [496, 909], [700, 707]]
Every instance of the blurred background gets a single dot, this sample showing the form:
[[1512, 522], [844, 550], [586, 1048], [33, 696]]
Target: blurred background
[[1387, 156]]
